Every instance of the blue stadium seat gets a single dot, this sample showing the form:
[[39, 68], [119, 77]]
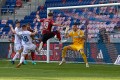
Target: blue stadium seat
[[26, 17], [7, 4], [11, 9], [4, 9], [13, 4], [111, 15], [10, 22], [2, 25], [6, 29], [10, 4], [33, 13]]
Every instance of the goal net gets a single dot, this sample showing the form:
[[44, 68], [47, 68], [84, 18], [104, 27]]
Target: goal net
[[101, 25]]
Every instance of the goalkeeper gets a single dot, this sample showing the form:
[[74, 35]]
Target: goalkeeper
[[78, 43]]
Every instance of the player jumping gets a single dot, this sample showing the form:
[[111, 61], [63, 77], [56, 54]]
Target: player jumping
[[47, 32]]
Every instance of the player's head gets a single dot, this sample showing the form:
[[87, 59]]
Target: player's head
[[75, 27], [50, 15], [24, 27], [28, 25], [17, 23]]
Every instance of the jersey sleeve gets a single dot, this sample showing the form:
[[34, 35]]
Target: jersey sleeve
[[70, 34], [18, 33], [28, 32], [52, 21], [42, 20], [16, 29], [81, 33]]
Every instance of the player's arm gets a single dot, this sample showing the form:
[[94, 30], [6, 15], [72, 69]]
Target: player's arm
[[67, 35], [38, 18], [56, 24], [82, 35], [34, 33], [11, 27]]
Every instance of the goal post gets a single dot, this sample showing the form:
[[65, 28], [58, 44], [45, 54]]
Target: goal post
[[117, 62], [74, 7], [48, 45], [83, 6]]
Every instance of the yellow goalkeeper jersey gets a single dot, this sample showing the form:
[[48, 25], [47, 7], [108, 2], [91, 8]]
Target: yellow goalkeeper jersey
[[76, 37]]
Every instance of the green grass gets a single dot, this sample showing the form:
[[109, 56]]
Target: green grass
[[51, 71]]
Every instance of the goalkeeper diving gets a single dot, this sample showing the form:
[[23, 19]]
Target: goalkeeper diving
[[78, 39]]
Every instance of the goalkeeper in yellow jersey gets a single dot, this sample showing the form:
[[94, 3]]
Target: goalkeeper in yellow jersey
[[78, 38]]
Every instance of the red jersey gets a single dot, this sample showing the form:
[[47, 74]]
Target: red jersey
[[47, 25]]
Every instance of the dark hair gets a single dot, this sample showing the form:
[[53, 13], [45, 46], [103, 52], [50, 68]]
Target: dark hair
[[50, 14], [17, 22], [23, 26], [76, 23], [28, 23]]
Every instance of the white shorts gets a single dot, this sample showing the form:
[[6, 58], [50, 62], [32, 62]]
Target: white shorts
[[17, 46], [28, 48]]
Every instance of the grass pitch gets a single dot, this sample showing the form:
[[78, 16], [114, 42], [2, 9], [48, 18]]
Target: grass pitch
[[52, 71]]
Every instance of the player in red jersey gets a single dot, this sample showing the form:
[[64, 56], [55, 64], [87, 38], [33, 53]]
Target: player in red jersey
[[47, 29]]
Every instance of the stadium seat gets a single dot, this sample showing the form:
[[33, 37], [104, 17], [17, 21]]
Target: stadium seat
[[10, 22], [13, 4], [7, 4], [11, 9], [4, 9], [2, 25]]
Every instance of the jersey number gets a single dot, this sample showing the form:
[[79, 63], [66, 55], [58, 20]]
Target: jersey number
[[25, 38], [46, 24]]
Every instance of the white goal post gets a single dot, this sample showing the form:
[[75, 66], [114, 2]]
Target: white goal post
[[117, 62], [71, 7]]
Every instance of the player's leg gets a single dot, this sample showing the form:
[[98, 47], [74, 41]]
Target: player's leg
[[21, 60], [40, 46], [45, 37], [24, 53], [64, 54], [15, 57], [33, 57], [70, 47], [84, 57], [18, 50], [58, 35], [32, 51], [43, 41], [33, 48], [80, 48], [25, 61]]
